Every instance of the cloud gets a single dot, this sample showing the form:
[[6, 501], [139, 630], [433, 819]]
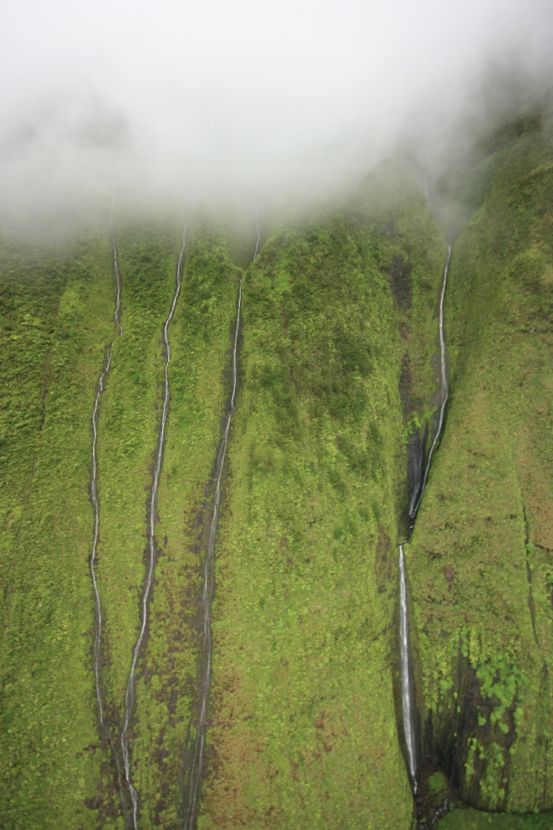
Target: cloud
[[182, 103]]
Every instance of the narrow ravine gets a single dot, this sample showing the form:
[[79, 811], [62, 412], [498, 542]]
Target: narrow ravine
[[197, 765], [407, 696], [444, 395], [151, 552], [93, 561]]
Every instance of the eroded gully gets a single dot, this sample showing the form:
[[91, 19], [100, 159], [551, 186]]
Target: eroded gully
[[151, 552], [198, 753]]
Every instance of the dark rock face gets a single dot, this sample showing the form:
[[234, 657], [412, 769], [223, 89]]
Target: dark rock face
[[400, 282]]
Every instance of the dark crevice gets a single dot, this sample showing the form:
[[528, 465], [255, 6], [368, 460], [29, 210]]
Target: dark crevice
[[527, 548]]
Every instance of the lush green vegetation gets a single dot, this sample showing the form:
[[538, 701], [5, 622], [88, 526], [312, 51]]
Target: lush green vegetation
[[56, 315], [167, 693], [303, 730], [481, 554], [467, 819], [338, 378]]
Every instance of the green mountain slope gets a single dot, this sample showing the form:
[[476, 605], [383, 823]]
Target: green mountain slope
[[480, 562], [337, 395], [56, 316]]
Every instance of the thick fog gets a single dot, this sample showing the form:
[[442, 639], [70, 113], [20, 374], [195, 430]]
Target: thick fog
[[182, 103]]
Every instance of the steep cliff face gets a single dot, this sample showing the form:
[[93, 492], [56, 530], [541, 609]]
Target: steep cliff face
[[56, 315], [302, 727], [481, 558], [337, 394], [58, 304]]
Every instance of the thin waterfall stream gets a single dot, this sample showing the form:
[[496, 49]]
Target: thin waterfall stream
[[444, 395], [197, 765], [152, 556], [407, 695], [93, 560], [406, 673], [94, 500]]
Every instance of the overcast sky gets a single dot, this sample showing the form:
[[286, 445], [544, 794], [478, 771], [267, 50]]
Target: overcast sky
[[180, 100]]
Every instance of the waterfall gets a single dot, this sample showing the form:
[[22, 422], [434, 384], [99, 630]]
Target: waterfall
[[93, 561], [444, 389], [406, 683], [152, 555], [407, 697], [95, 501]]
